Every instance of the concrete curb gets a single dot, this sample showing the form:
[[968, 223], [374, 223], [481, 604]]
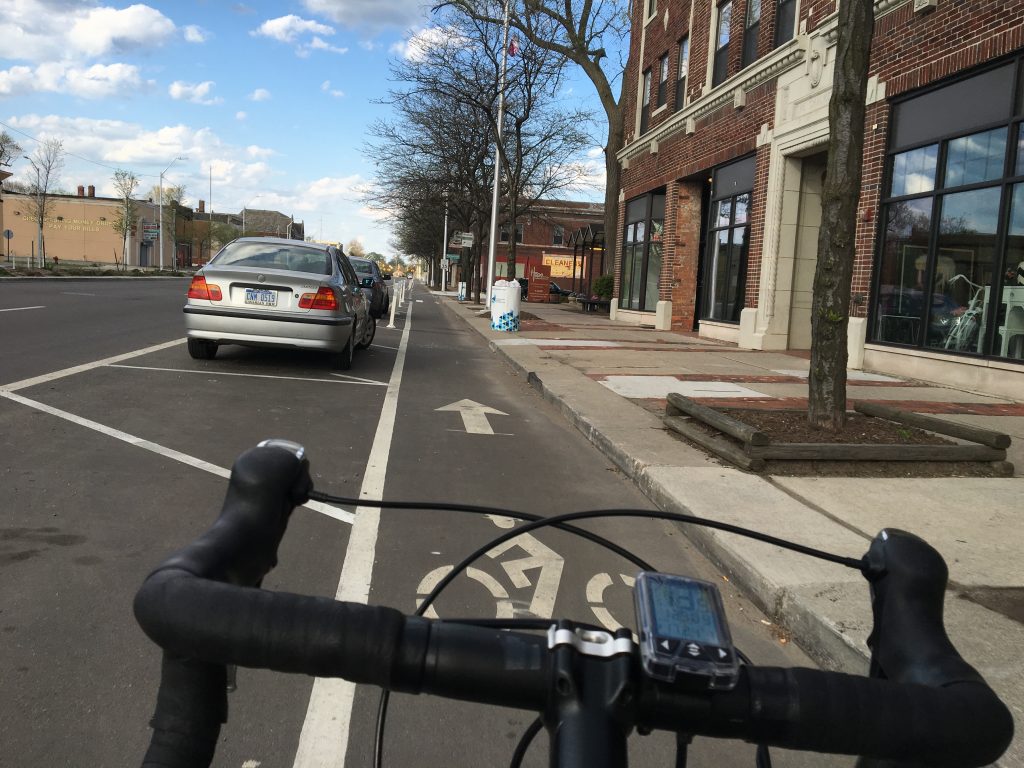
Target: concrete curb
[[835, 644]]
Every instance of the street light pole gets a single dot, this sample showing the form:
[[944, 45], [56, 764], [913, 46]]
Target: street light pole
[[444, 248], [493, 245], [162, 208]]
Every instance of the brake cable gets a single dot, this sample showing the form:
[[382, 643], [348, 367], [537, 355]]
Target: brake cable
[[560, 522]]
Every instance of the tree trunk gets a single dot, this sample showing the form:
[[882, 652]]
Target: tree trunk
[[611, 190], [830, 308]]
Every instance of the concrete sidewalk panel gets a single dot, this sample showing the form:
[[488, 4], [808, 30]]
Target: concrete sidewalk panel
[[972, 521], [792, 588]]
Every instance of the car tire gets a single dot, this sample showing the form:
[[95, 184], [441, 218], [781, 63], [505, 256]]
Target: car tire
[[201, 349], [343, 361], [371, 331]]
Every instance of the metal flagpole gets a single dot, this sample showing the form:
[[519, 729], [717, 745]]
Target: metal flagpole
[[444, 247], [493, 245]]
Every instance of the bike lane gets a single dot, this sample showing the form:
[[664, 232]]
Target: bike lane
[[468, 430]]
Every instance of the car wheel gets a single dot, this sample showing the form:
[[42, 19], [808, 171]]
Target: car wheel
[[371, 331], [201, 349], [344, 358]]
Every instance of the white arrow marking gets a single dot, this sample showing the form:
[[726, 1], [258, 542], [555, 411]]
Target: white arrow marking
[[474, 415]]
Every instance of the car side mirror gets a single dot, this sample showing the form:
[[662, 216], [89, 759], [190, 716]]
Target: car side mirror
[[387, 275], [367, 282]]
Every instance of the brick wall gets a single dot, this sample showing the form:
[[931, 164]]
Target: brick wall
[[685, 245]]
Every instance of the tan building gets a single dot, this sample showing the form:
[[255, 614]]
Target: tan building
[[80, 230]]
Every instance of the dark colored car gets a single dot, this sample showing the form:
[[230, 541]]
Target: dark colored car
[[558, 290], [374, 284]]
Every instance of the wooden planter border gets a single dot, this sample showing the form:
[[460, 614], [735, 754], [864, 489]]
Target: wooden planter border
[[984, 445]]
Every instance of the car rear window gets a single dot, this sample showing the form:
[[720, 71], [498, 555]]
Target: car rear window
[[272, 256]]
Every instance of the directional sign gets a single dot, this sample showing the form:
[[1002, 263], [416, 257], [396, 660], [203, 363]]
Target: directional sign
[[474, 415]]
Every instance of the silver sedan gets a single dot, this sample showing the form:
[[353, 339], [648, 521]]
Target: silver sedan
[[267, 291]]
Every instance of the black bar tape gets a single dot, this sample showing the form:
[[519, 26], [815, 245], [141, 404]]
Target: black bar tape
[[191, 704], [959, 725], [195, 618]]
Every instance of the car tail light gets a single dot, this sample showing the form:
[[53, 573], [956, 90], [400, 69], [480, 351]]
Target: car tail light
[[322, 299], [200, 289]]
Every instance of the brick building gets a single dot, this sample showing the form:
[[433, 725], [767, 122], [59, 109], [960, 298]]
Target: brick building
[[543, 239], [726, 109]]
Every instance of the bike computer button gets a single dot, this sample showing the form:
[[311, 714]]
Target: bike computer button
[[683, 630]]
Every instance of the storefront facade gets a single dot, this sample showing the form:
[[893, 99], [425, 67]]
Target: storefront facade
[[736, 151]]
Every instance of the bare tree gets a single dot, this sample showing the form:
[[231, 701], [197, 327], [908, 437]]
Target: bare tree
[[355, 248], [9, 149], [174, 196], [575, 30], [125, 220], [830, 303], [47, 162]]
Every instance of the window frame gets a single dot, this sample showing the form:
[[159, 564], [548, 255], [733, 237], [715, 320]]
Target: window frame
[[920, 333], [785, 19], [662, 81], [557, 234], [720, 66], [682, 70], [751, 31], [645, 102]]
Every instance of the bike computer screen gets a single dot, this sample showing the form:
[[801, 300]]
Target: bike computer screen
[[683, 630]]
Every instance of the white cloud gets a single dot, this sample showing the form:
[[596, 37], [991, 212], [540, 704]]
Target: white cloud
[[240, 115], [194, 34], [258, 152], [372, 15], [325, 86], [418, 47], [197, 93], [34, 30], [260, 94], [319, 44], [287, 28], [95, 82]]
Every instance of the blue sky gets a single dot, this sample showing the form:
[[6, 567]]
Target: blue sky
[[273, 98]]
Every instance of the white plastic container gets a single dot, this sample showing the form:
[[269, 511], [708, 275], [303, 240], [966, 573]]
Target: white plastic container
[[505, 300]]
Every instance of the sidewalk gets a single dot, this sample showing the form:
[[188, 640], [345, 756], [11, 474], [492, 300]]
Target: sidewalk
[[610, 379]]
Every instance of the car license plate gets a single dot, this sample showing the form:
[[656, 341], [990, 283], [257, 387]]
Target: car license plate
[[261, 297]]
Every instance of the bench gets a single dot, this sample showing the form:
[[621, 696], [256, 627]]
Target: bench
[[593, 305]]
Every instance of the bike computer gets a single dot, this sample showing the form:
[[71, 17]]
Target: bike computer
[[683, 630]]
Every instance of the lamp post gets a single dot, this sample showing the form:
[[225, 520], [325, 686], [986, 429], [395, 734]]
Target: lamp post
[[162, 208], [243, 212], [493, 245], [444, 247], [39, 211]]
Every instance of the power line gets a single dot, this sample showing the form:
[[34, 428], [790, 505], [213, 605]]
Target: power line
[[72, 154]]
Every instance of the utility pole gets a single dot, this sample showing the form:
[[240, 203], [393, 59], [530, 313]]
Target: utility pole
[[493, 245], [444, 247]]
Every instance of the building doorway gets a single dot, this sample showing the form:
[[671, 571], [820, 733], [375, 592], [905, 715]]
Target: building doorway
[[805, 254]]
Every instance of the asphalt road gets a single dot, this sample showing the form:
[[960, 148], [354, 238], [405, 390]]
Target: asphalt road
[[106, 469]]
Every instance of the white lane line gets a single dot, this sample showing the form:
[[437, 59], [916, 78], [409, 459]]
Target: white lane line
[[77, 293], [358, 380], [381, 346], [355, 380], [18, 309], [170, 453], [324, 739], [24, 383]]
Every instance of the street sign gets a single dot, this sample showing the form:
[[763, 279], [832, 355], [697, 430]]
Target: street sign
[[467, 239], [452, 256], [150, 230], [8, 234]]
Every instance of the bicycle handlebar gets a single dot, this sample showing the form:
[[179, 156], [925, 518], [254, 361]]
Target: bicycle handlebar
[[202, 606]]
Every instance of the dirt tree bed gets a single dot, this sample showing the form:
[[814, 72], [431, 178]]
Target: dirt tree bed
[[784, 427]]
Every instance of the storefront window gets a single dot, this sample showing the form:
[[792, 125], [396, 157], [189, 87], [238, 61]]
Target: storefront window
[[913, 172], [946, 280], [642, 252], [977, 158], [725, 259]]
